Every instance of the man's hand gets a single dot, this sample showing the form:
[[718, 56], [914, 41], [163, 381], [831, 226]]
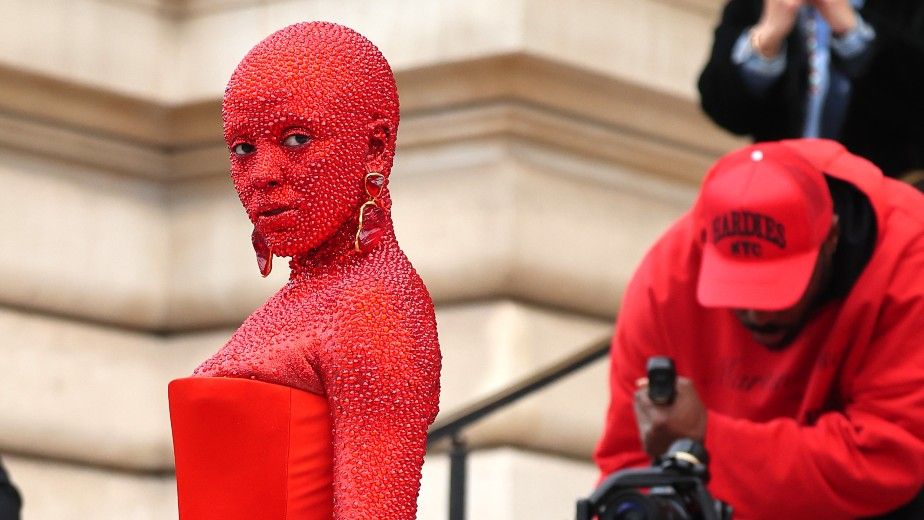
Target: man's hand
[[661, 425], [775, 24], [839, 14]]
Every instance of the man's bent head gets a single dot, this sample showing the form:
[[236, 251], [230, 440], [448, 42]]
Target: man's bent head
[[776, 329], [769, 233]]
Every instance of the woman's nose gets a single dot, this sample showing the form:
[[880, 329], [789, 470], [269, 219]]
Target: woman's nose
[[267, 171]]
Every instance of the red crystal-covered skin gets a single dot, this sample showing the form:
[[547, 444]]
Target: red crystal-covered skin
[[307, 114]]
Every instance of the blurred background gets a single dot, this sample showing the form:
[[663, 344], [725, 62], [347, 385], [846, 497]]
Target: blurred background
[[543, 146]]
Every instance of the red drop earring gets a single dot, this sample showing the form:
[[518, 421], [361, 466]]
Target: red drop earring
[[371, 215], [263, 251]]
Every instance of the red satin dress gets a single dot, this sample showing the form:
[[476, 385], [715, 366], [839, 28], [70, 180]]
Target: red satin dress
[[246, 449]]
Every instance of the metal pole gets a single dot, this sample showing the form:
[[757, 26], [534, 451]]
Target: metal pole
[[457, 456]]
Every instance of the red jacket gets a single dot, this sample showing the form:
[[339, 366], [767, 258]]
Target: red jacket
[[831, 426]]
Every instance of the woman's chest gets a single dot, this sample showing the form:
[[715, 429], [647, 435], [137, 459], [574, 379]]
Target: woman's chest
[[283, 342]]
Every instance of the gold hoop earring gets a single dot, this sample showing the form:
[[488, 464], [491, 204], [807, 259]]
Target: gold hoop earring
[[371, 215]]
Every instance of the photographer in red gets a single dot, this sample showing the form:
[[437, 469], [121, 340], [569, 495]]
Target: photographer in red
[[791, 297]]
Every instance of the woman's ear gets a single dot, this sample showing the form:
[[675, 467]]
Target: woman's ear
[[379, 132]]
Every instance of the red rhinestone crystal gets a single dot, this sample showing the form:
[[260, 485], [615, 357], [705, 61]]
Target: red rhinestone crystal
[[264, 255], [374, 184], [373, 227]]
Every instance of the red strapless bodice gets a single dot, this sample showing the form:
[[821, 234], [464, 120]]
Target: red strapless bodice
[[246, 449]]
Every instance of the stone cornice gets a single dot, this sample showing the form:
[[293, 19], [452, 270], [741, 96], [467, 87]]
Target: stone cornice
[[39, 99], [182, 9], [515, 94], [522, 131], [707, 7]]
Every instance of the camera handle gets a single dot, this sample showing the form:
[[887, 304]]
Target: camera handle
[[662, 380]]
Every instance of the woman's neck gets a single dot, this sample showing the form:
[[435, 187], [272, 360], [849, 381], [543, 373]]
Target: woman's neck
[[338, 251]]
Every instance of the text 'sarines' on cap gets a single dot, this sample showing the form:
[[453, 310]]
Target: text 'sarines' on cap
[[764, 213]]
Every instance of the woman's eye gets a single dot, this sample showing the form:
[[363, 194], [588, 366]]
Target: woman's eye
[[243, 148], [295, 140]]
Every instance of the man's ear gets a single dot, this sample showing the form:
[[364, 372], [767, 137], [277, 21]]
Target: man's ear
[[379, 132], [833, 235]]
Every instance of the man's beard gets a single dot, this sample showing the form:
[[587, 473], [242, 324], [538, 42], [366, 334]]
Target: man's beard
[[788, 336]]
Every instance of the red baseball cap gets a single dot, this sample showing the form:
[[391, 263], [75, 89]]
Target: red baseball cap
[[763, 213]]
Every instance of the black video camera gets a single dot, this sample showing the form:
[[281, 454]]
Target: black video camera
[[676, 481]]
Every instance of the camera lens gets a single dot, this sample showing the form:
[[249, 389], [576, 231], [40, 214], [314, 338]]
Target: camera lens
[[628, 505], [631, 505]]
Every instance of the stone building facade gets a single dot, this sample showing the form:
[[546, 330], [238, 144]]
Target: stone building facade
[[543, 145]]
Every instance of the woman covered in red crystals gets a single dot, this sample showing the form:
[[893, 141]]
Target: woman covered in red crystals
[[318, 406]]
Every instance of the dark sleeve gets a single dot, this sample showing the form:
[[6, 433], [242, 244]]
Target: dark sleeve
[[10, 501], [899, 28], [898, 50], [723, 94], [885, 121]]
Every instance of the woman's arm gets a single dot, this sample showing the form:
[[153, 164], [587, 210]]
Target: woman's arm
[[383, 389]]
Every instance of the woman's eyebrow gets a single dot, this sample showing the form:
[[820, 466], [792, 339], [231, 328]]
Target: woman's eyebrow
[[290, 120], [234, 130]]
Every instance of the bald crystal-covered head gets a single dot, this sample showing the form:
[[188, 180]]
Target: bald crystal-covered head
[[307, 113]]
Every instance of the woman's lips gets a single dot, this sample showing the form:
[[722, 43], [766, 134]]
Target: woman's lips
[[276, 218], [273, 212]]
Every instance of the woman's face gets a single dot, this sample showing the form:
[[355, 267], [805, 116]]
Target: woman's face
[[296, 162], [299, 120]]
